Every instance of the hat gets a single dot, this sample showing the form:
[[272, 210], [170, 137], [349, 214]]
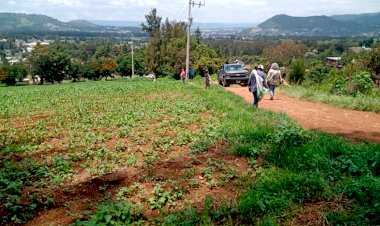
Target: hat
[[260, 67]]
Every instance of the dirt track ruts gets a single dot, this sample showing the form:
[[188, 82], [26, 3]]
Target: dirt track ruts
[[358, 125]]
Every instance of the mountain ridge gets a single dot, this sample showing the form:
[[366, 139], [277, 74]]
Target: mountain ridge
[[22, 22], [333, 26], [346, 25]]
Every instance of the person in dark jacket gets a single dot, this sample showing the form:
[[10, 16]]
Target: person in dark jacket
[[252, 83]]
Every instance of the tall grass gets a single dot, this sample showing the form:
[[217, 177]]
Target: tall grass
[[360, 102]]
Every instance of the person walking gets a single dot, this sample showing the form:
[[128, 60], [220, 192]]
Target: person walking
[[183, 75], [191, 73], [274, 78], [256, 84], [207, 79]]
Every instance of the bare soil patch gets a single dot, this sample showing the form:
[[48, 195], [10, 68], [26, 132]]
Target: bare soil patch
[[314, 212], [357, 125], [85, 192]]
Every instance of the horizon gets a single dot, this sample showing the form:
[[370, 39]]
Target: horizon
[[218, 12]]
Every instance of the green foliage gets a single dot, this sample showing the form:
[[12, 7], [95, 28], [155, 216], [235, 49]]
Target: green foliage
[[284, 51], [361, 83], [318, 73], [211, 215], [153, 22], [275, 191], [115, 213], [297, 72], [163, 197], [14, 177], [211, 63], [49, 63], [10, 74], [338, 86], [167, 71], [373, 61], [298, 165], [124, 65], [365, 192], [287, 136], [165, 54], [322, 94]]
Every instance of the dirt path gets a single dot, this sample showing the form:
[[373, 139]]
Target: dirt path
[[348, 123]]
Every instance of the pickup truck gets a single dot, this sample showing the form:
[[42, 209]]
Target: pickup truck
[[233, 73]]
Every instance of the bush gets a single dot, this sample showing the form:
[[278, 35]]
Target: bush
[[297, 72], [318, 74], [287, 136], [338, 86], [361, 83], [168, 71]]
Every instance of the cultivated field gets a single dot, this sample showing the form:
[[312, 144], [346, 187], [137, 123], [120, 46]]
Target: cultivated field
[[164, 152]]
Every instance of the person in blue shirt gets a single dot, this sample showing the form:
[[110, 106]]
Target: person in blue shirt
[[191, 73]]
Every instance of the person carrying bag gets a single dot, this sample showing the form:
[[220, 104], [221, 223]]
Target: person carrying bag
[[257, 85]]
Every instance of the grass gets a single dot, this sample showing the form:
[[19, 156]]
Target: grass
[[361, 102], [103, 127]]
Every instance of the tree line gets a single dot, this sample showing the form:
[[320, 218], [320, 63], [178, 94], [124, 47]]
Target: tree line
[[165, 54]]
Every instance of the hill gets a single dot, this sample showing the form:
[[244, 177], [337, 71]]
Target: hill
[[366, 18], [83, 24], [344, 26], [20, 22], [31, 22]]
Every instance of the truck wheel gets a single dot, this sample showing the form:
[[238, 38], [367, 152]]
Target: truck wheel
[[225, 84]]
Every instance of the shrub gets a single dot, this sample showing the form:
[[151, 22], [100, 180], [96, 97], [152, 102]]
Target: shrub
[[297, 71], [361, 83], [318, 74], [287, 136], [168, 71], [338, 86]]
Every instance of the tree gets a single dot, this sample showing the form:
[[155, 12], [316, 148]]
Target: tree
[[102, 67], [49, 63], [152, 54], [74, 70], [373, 61], [10, 74], [165, 54], [198, 35], [153, 22], [124, 64], [285, 51]]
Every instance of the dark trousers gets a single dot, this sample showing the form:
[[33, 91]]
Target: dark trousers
[[255, 99]]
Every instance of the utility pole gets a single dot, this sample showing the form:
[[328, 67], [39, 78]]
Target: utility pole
[[190, 21], [133, 65]]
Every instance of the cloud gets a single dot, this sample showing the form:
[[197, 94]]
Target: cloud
[[61, 2], [230, 11]]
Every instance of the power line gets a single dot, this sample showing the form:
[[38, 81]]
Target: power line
[[181, 12]]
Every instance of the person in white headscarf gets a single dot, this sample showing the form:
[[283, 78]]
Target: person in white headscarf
[[257, 84], [274, 78]]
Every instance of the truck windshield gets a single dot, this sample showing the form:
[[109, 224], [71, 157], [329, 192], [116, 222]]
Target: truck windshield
[[234, 67]]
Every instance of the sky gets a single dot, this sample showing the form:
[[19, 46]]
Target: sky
[[214, 11]]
